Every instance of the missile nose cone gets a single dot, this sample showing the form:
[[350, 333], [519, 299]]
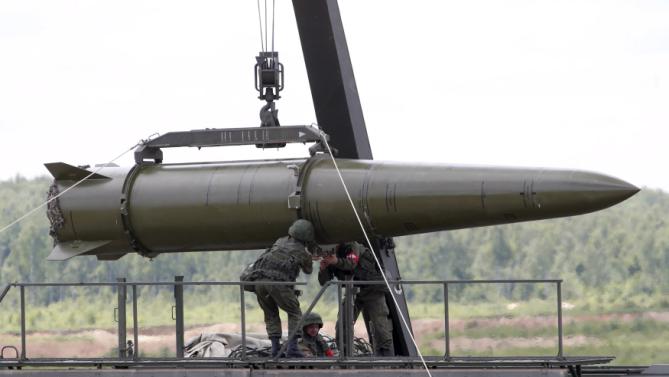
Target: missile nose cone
[[605, 187], [612, 184], [592, 191], [611, 190]]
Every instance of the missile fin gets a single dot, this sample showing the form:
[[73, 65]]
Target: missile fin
[[63, 171], [67, 250]]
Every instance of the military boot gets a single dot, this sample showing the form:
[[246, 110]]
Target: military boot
[[276, 345], [384, 352], [293, 350]]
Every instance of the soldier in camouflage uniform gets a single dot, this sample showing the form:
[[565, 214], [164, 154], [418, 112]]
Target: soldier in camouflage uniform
[[283, 262], [312, 343], [354, 261]]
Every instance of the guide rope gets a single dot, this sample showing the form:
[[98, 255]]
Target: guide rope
[[376, 259], [75, 184]]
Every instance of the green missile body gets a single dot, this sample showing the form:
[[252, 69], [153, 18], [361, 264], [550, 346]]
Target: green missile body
[[164, 208]]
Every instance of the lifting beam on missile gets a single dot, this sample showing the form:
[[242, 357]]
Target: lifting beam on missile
[[220, 137]]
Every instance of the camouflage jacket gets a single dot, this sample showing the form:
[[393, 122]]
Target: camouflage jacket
[[314, 346], [283, 261]]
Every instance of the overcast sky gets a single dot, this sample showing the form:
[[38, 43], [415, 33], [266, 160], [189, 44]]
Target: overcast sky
[[571, 84]]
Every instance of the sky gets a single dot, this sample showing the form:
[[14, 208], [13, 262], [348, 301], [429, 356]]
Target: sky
[[566, 84]]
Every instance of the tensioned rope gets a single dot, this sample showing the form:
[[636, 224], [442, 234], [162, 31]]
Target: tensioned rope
[[376, 259], [74, 185]]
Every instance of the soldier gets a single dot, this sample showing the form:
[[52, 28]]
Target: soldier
[[352, 260], [283, 262], [312, 343]]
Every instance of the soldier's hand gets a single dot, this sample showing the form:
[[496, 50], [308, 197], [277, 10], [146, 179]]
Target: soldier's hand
[[329, 259]]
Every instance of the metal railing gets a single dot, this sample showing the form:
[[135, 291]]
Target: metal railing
[[120, 310], [447, 283], [344, 343]]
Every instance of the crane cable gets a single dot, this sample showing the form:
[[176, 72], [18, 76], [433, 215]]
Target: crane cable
[[273, 18], [262, 45], [75, 184], [264, 42], [376, 259]]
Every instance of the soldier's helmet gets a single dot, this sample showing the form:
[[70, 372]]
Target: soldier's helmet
[[312, 319], [302, 230]]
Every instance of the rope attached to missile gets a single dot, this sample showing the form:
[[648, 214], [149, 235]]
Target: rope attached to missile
[[376, 259], [51, 199]]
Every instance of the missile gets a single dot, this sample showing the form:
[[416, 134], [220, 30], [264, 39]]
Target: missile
[[186, 207]]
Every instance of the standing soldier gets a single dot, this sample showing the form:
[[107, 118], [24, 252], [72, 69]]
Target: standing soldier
[[283, 262], [353, 260]]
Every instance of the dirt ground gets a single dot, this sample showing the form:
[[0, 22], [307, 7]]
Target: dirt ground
[[160, 341]]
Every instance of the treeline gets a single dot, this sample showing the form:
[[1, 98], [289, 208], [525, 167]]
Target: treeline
[[617, 255]]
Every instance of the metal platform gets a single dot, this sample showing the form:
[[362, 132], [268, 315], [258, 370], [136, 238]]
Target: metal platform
[[291, 372], [396, 366], [299, 368]]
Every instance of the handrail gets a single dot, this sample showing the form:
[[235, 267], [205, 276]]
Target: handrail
[[237, 283], [158, 283], [4, 291], [178, 284]]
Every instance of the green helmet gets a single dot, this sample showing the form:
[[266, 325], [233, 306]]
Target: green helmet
[[302, 230], [312, 319]]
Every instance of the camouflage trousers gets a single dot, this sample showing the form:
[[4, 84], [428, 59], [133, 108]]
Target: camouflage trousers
[[271, 298], [372, 304]]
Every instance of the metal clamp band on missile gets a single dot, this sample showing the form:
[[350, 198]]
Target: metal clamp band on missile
[[161, 208]]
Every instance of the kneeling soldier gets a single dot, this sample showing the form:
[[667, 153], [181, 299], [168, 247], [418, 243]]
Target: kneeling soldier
[[312, 343]]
